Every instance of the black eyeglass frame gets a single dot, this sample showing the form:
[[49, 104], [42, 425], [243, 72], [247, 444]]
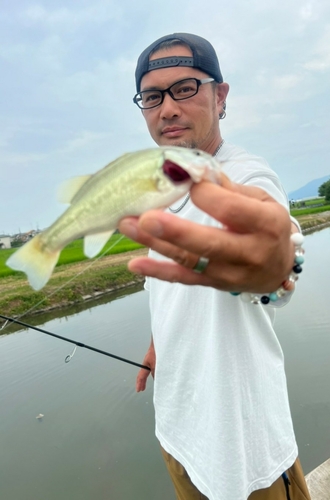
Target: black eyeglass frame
[[138, 97]]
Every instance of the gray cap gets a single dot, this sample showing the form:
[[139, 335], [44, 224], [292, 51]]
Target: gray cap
[[203, 57]]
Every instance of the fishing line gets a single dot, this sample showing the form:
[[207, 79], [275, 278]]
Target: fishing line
[[69, 281], [77, 343]]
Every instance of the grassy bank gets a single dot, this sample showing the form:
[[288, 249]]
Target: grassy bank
[[69, 284], [311, 213], [74, 252], [312, 220], [75, 277], [106, 274]]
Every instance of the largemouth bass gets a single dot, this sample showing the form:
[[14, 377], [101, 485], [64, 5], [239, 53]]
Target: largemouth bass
[[130, 185]]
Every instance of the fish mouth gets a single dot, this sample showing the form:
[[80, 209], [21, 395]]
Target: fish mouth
[[175, 172]]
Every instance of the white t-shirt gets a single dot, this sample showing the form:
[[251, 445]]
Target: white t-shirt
[[220, 391]]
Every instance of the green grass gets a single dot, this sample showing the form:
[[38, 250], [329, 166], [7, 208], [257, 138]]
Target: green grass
[[4, 255], [119, 244], [74, 252], [21, 299], [316, 201], [306, 211]]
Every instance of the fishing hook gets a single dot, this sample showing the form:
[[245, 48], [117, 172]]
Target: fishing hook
[[78, 344], [70, 356]]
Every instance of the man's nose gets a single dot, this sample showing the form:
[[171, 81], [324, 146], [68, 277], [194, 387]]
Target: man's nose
[[169, 107]]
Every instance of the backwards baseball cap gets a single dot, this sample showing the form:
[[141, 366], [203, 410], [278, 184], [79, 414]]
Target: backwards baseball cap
[[203, 57]]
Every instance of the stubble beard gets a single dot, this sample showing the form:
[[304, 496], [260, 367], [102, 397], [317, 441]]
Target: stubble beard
[[187, 144]]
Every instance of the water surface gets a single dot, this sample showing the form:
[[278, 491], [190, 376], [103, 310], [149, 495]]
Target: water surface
[[96, 439]]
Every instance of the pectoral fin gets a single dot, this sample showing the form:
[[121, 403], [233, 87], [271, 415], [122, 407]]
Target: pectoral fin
[[70, 188], [93, 243]]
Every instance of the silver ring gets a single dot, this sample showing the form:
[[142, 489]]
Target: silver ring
[[201, 265]]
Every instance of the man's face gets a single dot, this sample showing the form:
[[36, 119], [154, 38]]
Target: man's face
[[192, 122]]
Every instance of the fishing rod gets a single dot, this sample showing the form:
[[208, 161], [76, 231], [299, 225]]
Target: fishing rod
[[77, 343]]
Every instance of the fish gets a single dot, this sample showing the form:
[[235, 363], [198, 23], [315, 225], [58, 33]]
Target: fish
[[128, 186]]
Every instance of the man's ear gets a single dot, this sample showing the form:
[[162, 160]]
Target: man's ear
[[222, 90]]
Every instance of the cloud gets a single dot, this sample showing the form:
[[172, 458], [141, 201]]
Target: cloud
[[320, 54], [73, 18], [287, 82], [67, 82]]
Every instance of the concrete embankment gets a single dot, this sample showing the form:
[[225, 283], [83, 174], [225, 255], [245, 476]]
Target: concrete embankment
[[318, 482], [312, 229]]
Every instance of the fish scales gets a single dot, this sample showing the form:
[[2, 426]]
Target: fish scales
[[105, 198]]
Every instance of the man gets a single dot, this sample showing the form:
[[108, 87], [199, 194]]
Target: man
[[220, 396]]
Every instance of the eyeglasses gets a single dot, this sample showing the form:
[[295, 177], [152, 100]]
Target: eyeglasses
[[184, 89]]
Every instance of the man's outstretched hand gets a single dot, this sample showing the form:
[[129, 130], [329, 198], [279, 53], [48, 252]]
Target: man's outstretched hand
[[252, 252]]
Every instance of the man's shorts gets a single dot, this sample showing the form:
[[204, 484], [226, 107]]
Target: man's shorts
[[290, 487]]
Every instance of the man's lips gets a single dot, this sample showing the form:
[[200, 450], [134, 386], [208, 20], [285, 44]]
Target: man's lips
[[173, 131]]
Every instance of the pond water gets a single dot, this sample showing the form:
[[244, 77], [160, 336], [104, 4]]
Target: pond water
[[96, 439]]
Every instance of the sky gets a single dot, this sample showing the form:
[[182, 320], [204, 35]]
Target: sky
[[67, 82]]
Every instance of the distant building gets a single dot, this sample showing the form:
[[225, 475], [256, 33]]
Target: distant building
[[21, 238], [5, 241]]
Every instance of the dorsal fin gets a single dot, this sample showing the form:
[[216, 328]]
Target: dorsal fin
[[70, 188]]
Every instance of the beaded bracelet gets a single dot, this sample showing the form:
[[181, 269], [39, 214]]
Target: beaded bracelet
[[254, 298]]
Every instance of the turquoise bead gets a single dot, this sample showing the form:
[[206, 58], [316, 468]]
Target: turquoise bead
[[235, 293], [299, 259], [273, 296]]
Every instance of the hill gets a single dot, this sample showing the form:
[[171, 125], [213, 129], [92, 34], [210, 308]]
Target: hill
[[309, 190]]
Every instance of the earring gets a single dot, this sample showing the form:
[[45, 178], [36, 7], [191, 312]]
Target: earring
[[222, 115]]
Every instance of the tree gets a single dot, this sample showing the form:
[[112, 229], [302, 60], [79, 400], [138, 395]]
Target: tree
[[327, 192], [324, 190]]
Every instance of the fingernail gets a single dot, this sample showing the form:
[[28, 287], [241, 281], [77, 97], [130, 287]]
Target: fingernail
[[152, 226]]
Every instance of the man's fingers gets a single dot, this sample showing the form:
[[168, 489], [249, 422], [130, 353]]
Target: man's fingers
[[207, 241], [171, 236], [130, 227], [250, 191], [172, 272], [141, 380], [253, 225], [235, 206]]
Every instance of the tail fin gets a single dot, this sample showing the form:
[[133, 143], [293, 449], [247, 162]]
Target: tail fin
[[35, 262]]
